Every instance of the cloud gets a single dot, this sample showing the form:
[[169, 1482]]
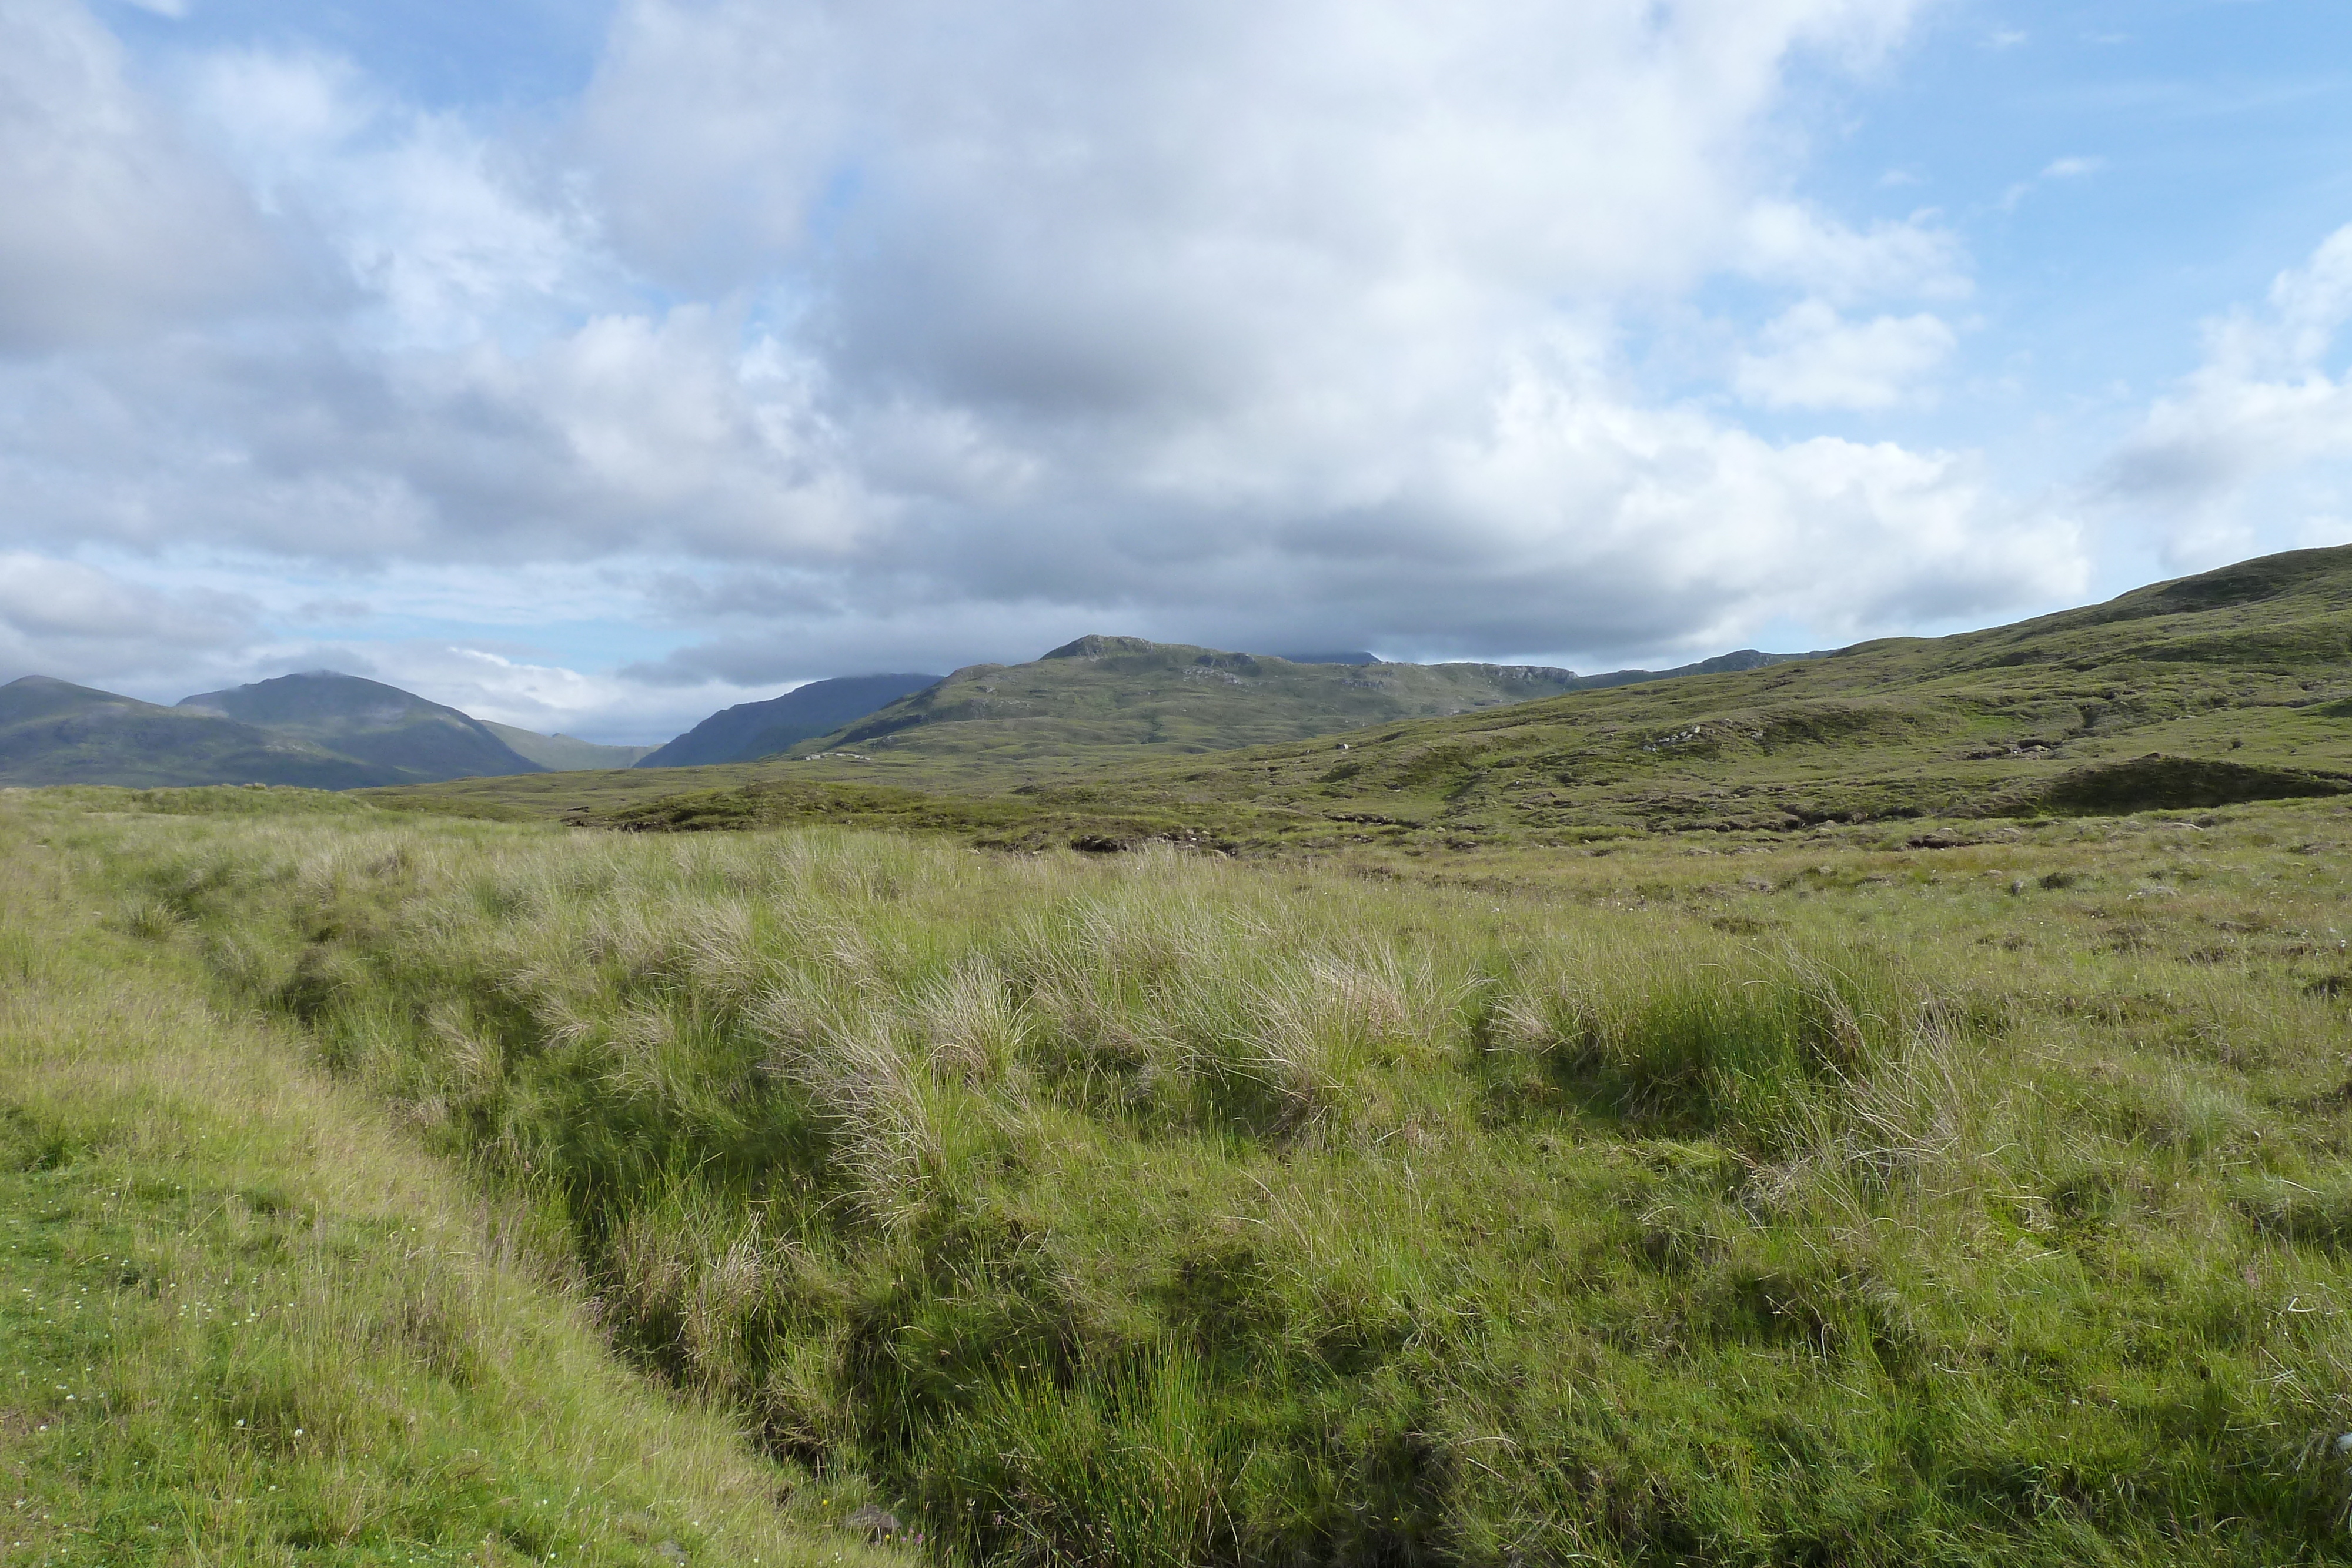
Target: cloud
[[511, 688], [112, 225], [906, 334], [1814, 359], [1781, 241], [2073, 168], [63, 618], [2255, 446]]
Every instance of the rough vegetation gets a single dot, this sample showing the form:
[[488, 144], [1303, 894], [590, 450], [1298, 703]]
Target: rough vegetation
[[1935, 1192], [248, 1319]]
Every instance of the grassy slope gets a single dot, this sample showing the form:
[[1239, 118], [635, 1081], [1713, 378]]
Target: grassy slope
[[248, 1321], [1831, 1202], [1159, 697], [2246, 668], [2246, 672]]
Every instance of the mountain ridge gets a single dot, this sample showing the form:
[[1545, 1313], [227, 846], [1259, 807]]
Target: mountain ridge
[[2188, 695], [375, 723], [748, 731], [54, 732]]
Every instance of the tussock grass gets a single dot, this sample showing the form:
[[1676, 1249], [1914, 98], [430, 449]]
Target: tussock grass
[[247, 1322], [1837, 1205]]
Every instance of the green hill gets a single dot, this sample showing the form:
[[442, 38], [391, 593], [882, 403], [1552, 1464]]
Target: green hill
[[373, 722], [54, 732], [2233, 685], [1169, 698], [565, 753], [748, 731]]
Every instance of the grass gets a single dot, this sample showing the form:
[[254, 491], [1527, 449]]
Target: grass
[[1813, 1197], [243, 1319]]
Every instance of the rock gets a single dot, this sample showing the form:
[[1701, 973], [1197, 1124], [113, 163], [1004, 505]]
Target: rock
[[671, 1551], [877, 1523]]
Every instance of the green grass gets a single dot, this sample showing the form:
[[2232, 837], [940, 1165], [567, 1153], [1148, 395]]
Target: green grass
[[1765, 1198], [245, 1320]]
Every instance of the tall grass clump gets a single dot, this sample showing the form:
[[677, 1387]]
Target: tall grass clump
[[1152, 1208]]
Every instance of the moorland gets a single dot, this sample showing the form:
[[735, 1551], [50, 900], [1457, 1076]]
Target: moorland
[[1886, 1108]]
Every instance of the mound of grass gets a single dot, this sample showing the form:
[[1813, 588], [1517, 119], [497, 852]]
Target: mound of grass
[[1849, 1202], [2157, 783], [245, 1321]]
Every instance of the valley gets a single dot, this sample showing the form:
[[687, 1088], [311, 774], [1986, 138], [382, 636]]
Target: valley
[[1870, 1108]]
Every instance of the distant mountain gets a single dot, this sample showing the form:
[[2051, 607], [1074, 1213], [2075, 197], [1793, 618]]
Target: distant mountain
[[748, 731], [375, 723], [1174, 698], [566, 753], [54, 732]]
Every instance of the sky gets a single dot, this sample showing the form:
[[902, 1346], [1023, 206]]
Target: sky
[[593, 364]]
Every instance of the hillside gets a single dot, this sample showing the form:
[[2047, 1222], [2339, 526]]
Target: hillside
[[748, 731], [1169, 698], [54, 732], [370, 721], [2231, 684], [1100, 702], [565, 753]]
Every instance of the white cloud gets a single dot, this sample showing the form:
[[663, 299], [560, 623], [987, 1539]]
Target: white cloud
[[1780, 242], [2073, 168], [2254, 448], [110, 224], [64, 616], [513, 688], [962, 328], [1815, 359]]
